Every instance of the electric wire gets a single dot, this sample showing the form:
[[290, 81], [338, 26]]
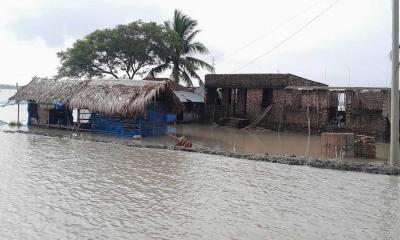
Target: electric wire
[[277, 27], [289, 37]]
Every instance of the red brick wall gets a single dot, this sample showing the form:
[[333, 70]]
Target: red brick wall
[[289, 109], [253, 105], [296, 106], [371, 100], [366, 112]]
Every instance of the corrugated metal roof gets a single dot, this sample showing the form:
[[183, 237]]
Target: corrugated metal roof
[[185, 96]]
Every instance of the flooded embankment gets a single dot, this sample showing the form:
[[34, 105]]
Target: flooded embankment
[[265, 145], [346, 165]]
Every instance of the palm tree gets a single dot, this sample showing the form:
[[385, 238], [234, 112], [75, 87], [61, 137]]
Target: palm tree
[[180, 48]]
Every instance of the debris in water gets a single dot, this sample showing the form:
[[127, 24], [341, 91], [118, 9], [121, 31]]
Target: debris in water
[[184, 142]]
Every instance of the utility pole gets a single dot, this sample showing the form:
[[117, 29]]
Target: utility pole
[[213, 62], [394, 111], [18, 124]]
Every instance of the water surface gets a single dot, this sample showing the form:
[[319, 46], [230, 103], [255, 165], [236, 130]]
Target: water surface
[[53, 188]]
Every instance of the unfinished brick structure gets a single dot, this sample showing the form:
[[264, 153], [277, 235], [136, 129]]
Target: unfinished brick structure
[[368, 111], [246, 96], [304, 106], [297, 103]]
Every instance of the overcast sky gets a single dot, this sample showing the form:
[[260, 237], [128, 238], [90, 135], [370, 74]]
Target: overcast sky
[[347, 46]]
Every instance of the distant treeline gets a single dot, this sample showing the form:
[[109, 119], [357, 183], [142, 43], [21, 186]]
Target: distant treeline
[[7, 86]]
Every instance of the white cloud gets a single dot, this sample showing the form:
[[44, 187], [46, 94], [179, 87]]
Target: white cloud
[[21, 60], [354, 35]]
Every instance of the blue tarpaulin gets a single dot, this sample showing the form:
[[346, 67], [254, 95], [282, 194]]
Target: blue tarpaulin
[[59, 106], [171, 118], [151, 123]]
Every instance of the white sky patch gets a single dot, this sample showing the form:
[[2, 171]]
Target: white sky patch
[[22, 60], [353, 38]]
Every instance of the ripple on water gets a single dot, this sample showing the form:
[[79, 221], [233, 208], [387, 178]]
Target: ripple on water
[[62, 188]]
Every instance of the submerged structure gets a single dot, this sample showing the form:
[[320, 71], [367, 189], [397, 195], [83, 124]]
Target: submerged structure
[[121, 107], [191, 99], [286, 101], [242, 98]]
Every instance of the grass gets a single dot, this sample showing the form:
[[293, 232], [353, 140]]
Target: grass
[[15, 124]]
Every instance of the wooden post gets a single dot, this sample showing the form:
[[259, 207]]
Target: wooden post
[[48, 115], [18, 124], [78, 116]]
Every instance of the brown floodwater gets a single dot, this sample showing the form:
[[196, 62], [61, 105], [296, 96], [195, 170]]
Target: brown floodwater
[[256, 141], [228, 139], [63, 188]]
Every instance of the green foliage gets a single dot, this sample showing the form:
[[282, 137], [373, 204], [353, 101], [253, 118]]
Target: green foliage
[[180, 50], [124, 50], [135, 48]]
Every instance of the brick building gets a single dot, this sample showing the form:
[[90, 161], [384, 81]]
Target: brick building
[[295, 103], [246, 96]]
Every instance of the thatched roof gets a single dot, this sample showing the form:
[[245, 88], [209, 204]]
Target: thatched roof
[[46, 90], [175, 86], [111, 97]]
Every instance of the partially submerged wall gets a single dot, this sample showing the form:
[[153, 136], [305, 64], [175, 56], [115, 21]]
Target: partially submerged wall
[[291, 109], [364, 110], [367, 112], [217, 107]]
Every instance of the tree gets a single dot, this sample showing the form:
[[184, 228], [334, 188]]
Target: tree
[[180, 48], [125, 50]]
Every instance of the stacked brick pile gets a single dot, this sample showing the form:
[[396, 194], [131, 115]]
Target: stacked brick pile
[[365, 146]]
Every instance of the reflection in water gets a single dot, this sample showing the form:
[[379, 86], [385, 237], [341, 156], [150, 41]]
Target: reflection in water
[[53, 188], [255, 141]]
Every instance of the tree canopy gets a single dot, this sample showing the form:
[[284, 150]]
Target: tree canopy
[[123, 51], [138, 48]]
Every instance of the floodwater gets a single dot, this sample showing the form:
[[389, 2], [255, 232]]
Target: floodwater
[[260, 141], [54, 188], [63, 188]]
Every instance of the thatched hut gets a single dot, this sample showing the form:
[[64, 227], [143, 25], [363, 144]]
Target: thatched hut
[[125, 107]]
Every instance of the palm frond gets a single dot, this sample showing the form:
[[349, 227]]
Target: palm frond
[[201, 64], [191, 69], [186, 78], [183, 24], [175, 73], [192, 35], [182, 46], [197, 47], [158, 69]]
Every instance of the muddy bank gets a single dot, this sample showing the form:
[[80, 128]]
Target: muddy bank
[[282, 159]]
